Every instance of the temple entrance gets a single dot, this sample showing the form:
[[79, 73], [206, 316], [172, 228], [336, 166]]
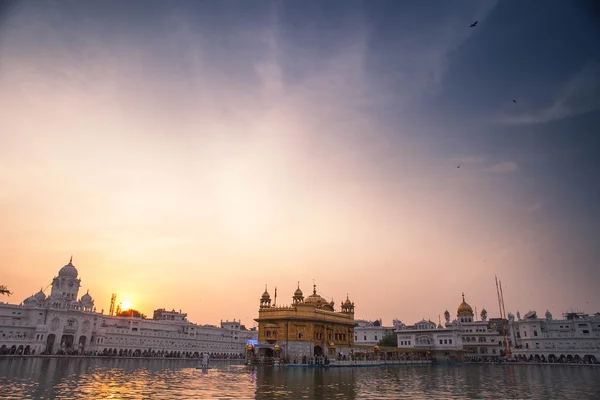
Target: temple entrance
[[318, 351], [66, 342], [269, 352], [50, 343]]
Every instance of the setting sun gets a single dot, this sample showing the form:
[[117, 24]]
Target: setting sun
[[125, 305]]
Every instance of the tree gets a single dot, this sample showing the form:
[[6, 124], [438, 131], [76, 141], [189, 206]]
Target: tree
[[4, 290], [131, 313], [390, 340]]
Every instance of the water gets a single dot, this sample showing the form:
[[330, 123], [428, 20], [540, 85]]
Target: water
[[28, 378]]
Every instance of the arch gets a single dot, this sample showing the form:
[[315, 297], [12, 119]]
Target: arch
[[318, 351], [551, 358], [67, 342], [50, 343], [569, 358], [537, 358], [3, 350], [577, 358], [589, 359], [27, 350], [20, 350], [13, 349], [82, 342]]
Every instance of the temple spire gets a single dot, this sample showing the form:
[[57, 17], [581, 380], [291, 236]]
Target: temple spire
[[71, 259]]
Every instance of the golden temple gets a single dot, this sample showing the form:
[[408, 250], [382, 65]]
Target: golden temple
[[308, 327]]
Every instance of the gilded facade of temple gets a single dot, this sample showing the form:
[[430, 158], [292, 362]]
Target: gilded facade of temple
[[307, 327]]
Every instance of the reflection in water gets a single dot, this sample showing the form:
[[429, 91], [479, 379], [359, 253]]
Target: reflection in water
[[166, 379]]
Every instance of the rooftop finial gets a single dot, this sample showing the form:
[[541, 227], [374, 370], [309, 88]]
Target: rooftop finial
[[298, 284], [463, 297], [314, 287], [71, 260]]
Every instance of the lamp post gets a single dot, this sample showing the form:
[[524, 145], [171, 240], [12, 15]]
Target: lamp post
[[249, 352], [276, 350]]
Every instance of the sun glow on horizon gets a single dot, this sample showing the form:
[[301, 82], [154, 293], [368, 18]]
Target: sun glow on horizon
[[125, 305]]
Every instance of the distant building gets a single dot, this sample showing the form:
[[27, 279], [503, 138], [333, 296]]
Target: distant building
[[164, 315], [575, 338], [461, 338], [307, 328], [60, 323], [370, 333]]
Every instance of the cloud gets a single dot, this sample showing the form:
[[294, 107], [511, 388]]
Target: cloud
[[579, 95], [504, 167]]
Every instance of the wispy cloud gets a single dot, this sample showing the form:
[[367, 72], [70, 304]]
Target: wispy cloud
[[579, 95]]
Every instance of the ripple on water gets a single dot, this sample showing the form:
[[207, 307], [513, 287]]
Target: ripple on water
[[167, 379]]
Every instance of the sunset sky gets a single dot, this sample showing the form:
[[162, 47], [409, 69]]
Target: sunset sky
[[188, 153]]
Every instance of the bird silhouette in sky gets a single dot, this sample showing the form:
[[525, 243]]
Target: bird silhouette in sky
[[514, 101], [473, 25]]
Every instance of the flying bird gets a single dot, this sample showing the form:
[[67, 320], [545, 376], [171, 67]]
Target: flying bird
[[458, 166], [514, 101], [473, 25]]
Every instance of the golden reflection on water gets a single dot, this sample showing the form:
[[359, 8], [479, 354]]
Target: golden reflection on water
[[22, 378]]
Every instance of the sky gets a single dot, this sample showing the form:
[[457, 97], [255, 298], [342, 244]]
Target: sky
[[188, 153]]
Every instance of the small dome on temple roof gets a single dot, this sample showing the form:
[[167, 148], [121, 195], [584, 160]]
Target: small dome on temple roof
[[30, 300], [266, 294], [464, 310], [86, 298], [40, 296], [69, 270]]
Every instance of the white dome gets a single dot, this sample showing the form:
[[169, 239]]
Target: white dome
[[30, 300], [68, 271], [40, 296], [86, 298]]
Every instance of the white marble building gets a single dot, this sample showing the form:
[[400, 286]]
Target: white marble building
[[461, 338], [62, 323], [575, 338], [370, 333]]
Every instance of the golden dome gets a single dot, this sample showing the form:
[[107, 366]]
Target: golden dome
[[315, 298], [276, 347], [266, 295], [298, 292], [464, 310]]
